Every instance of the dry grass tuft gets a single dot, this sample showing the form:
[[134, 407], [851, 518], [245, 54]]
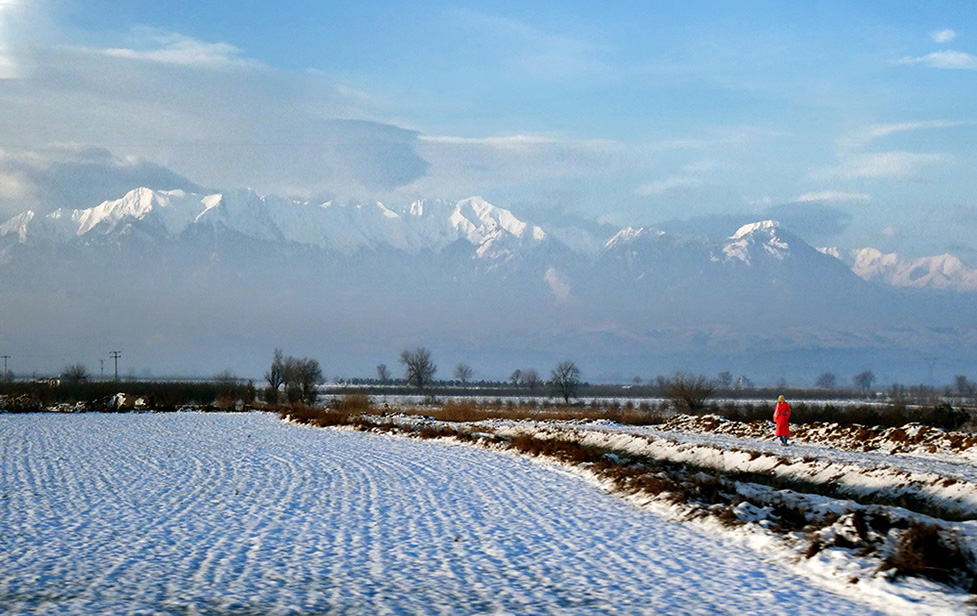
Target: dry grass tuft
[[927, 551], [352, 404]]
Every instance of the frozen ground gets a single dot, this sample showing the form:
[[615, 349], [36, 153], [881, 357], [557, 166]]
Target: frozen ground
[[242, 514]]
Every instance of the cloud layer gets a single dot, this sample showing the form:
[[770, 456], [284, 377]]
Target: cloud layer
[[209, 114], [72, 177], [946, 59]]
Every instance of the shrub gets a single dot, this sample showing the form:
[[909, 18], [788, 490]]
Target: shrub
[[352, 403], [946, 417], [926, 551], [688, 392]]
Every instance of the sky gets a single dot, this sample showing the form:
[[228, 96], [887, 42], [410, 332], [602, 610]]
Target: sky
[[853, 121]]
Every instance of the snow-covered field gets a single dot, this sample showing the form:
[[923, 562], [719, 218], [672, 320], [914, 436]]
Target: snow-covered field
[[242, 514]]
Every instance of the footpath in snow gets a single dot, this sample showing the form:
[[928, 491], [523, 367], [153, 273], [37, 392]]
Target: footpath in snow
[[243, 514]]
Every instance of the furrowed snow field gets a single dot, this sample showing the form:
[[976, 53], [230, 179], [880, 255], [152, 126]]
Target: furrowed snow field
[[195, 513]]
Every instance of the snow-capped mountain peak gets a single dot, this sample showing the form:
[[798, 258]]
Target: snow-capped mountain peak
[[18, 225], [768, 226], [629, 235], [173, 210], [624, 236], [484, 224], [766, 236]]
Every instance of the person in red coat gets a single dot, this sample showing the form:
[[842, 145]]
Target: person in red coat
[[781, 413]]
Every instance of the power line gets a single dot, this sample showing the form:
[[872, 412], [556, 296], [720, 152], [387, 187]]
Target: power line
[[116, 355]]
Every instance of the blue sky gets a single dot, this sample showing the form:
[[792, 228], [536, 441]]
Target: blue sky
[[859, 116]]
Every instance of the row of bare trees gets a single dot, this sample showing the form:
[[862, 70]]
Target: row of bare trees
[[419, 371]]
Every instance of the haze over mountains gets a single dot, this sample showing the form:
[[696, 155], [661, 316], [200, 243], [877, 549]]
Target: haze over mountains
[[192, 282]]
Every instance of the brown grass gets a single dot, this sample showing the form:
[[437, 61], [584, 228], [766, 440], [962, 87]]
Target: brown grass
[[352, 404], [471, 411], [926, 551]]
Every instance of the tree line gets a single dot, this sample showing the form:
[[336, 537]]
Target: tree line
[[292, 379]]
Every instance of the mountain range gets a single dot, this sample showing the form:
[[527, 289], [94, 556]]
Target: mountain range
[[190, 282]]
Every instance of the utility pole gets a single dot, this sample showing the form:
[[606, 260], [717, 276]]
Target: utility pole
[[101, 370], [116, 355], [5, 373]]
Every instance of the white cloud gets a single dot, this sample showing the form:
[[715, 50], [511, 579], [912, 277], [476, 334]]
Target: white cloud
[[242, 125], [694, 174], [879, 131], [520, 142], [9, 67], [943, 36], [173, 48], [831, 196], [13, 187], [946, 59], [44, 179], [677, 185], [898, 165], [462, 166]]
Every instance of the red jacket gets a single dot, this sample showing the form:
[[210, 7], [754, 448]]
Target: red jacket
[[781, 414]]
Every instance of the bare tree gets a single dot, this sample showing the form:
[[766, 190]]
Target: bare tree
[[383, 374], [463, 373], [419, 368], [864, 380], [963, 386], [826, 380], [275, 376], [290, 373], [688, 392], [302, 378], [725, 378], [530, 378], [565, 379], [516, 377], [75, 373]]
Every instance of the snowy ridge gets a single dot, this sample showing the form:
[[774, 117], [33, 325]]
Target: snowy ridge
[[627, 235], [424, 225], [944, 271], [18, 226], [432, 225]]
